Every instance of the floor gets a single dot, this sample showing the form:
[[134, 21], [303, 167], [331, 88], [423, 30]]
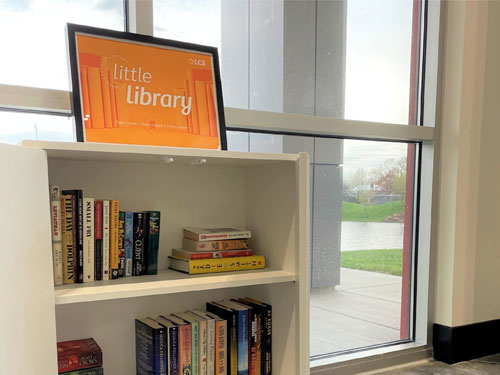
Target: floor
[[364, 310], [484, 366]]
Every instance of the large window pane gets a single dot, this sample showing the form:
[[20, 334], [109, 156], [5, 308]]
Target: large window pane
[[34, 38]]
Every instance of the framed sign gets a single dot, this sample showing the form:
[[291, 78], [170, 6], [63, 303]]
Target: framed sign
[[137, 89]]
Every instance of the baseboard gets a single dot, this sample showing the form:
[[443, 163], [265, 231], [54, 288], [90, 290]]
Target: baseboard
[[463, 343]]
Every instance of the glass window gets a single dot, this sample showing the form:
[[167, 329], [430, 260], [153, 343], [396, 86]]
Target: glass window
[[15, 127], [34, 37]]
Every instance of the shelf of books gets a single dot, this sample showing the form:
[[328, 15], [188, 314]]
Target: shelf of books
[[147, 243]]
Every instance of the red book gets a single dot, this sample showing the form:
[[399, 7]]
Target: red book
[[193, 255], [78, 354]]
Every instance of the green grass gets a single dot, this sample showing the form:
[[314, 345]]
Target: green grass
[[389, 261], [356, 212]]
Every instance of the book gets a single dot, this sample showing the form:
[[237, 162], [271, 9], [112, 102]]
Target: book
[[56, 227], [105, 239], [153, 242], [210, 340], [172, 344], [150, 347], [193, 255], [255, 339], [98, 239], [114, 210], [129, 242], [207, 234], [78, 232], [121, 244], [230, 317], [242, 326], [88, 371], [67, 234], [200, 266], [88, 240], [195, 340], [139, 259], [220, 358], [184, 344], [192, 245], [78, 354], [266, 331]]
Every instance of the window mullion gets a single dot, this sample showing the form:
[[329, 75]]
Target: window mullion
[[139, 15]]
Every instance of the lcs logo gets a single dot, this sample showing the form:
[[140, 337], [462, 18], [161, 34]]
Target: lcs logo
[[197, 62]]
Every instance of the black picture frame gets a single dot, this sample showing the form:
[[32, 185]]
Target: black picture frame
[[72, 30]]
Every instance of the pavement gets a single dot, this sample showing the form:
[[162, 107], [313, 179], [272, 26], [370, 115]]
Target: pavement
[[364, 310]]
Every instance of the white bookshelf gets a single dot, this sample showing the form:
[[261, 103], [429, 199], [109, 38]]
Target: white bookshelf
[[266, 193]]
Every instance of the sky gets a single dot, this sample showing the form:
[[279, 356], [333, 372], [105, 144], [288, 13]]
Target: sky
[[377, 59]]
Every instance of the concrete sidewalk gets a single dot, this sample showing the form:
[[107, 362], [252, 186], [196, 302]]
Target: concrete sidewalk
[[365, 309]]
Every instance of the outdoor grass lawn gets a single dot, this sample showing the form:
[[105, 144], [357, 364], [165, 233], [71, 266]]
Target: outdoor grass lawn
[[374, 213], [389, 261]]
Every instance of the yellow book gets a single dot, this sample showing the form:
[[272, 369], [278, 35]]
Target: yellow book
[[113, 238], [198, 266]]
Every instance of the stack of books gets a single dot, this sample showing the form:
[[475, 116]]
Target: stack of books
[[79, 357], [93, 240], [215, 250], [231, 337]]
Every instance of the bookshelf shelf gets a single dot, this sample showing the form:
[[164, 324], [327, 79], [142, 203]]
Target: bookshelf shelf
[[166, 282], [266, 193]]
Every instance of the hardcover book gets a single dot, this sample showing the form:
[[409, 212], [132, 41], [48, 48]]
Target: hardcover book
[[153, 242], [193, 255], [207, 234], [139, 259], [184, 344], [56, 227], [121, 244], [200, 266], [230, 317], [151, 347], [88, 371], [195, 340], [78, 354], [105, 239], [210, 340], [129, 242], [192, 245], [114, 222], [255, 366], [220, 357], [78, 232], [172, 344], [88, 240], [98, 240], [242, 324], [67, 233]]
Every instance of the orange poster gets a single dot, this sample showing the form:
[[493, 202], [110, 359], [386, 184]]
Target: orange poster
[[141, 93]]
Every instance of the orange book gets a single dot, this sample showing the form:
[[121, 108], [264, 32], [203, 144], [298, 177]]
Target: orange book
[[114, 221]]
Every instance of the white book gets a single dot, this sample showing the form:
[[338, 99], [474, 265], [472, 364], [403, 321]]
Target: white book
[[88, 240], [55, 215], [210, 340], [105, 240]]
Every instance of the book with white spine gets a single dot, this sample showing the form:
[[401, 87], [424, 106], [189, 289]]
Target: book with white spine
[[88, 240], [210, 339], [55, 215], [105, 239]]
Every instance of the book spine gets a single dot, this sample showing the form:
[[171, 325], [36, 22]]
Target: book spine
[[174, 351], [202, 351], [88, 371], [254, 363], [121, 244], [220, 347], [79, 361], [88, 248], [114, 209], [200, 237], [68, 250], [242, 342], [268, 332], [233, 332], [98, 240], [160, 352], [153, 242], [192, 245], [77, 196], [105, 240], [138, 263], [226, 264], [56, 224], [185, 349], [144, 349], [221, 254], [195, 346], [210, 346], [129, 242], [231, 336]]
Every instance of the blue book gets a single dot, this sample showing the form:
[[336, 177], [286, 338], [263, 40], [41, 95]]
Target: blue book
[[129, 242], [242, 326], [150, 347], [172, 345]]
